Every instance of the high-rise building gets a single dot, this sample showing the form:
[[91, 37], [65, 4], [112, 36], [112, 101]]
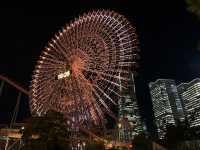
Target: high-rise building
[[190, 96], [167, 105], [129, 113]]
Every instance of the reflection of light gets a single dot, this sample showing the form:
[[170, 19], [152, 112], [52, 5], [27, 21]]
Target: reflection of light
[[22, 127]]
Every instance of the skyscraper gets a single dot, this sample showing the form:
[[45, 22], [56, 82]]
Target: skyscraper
[[167, 105], [190, 95], [129, 113]]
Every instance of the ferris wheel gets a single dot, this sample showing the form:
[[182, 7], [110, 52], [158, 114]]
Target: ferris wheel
[[83, 69]]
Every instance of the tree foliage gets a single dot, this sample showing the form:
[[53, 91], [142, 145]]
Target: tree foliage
[[179, 134], [194, 6], [94, 146], [50, 131], [140, 142]]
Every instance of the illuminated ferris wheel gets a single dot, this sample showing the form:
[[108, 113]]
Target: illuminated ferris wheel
[[84, 67]]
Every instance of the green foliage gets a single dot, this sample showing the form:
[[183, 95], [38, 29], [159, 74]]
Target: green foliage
[[94, 146], [141, 143], [51, 131], [121, 148], [181, 133], [194, 6]]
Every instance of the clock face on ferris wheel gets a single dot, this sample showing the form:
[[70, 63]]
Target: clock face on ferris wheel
[[84, 67]]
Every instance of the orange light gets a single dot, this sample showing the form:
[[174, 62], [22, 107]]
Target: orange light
[[109, 145]]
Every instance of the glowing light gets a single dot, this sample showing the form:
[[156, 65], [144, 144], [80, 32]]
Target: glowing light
[[109, 146], [96, 49], [119, 125], [64, 75]]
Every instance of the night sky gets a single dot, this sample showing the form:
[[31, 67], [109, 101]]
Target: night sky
[[168, 36]]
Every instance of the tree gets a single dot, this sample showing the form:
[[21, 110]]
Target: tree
[[94, 146], [194, 6], [174, 135], [140, 142], [46, 133]]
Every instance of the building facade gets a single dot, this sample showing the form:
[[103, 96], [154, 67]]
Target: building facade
[[190, 96], [167, 106], [129, 114]]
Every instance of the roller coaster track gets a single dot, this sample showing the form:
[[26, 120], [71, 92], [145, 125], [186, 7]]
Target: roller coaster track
[[14, 84], [15, 134], [26, 92]]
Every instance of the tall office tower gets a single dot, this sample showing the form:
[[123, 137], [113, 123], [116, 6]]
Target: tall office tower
[[190, 95], [167, 105], [129, 115]]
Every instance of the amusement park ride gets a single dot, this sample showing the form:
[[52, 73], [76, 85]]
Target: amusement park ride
[[83, 70]]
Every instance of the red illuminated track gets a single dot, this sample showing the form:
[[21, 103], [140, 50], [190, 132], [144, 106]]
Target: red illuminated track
[[26, 92], [14, 84], [83, 70]]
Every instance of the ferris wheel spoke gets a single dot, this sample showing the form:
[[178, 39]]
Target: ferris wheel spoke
[[78, 81], [42, 98], [52, 64], [54, 94], [117, 71], [94, 55], [46, 85], [51, 61], [113, 91], [98, 109], [128, 37], [58, 49], [104, 93], [126, 63], [50, 53], [126, 57], [62, 48], [49, 68], [106, 109], [53, 53], [100, 99], [113, 83], [106, 74], [42, 78]]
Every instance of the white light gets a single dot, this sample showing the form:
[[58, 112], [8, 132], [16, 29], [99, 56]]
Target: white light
[[64, 75], [43, 57]]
